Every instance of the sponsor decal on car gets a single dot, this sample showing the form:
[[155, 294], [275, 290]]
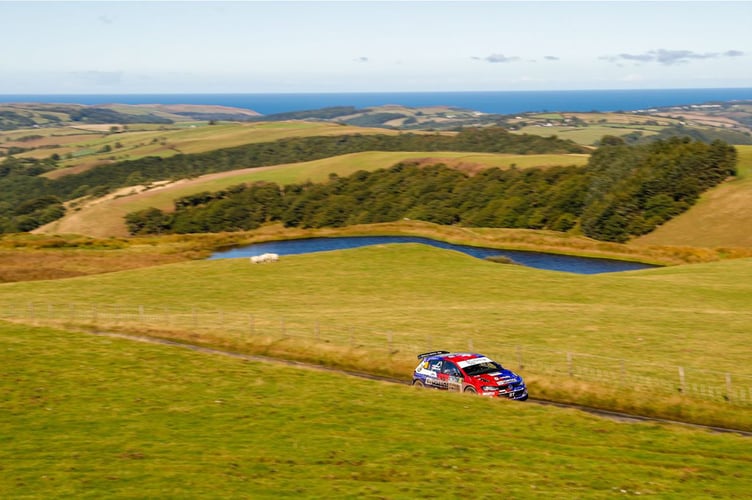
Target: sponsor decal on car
[[475, 361]]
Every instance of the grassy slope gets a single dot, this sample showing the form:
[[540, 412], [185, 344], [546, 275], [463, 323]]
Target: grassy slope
[[89, 417], [696, 315], [106, 218], [722, 217]]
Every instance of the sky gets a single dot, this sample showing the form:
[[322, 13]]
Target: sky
[[110, 47]]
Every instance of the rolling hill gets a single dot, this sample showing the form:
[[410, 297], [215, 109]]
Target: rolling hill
[[104, 217]]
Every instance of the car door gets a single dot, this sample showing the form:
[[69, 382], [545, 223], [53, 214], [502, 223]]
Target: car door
[[451, 377]]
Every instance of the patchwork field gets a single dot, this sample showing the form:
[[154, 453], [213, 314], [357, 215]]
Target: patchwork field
[[93, 417], [83, 146]]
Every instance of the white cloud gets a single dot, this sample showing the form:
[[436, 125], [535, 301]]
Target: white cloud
[[670, 57], [498, 58]]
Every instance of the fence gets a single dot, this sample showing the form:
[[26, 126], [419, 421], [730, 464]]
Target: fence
[[246, 328]]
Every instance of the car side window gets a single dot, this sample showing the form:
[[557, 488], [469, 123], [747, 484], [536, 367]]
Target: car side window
[[436, 365], [451, 369]]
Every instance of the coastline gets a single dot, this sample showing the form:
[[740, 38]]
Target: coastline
[[494, 102]]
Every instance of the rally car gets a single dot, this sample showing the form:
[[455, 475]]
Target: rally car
[[468, 372]]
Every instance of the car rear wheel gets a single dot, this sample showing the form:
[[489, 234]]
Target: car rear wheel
[[418, 383], [470, 390]]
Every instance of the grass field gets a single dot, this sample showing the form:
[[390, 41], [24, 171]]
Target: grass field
[[694, 316], [421, 291], [105, 218], [92, 417], [721, 218]]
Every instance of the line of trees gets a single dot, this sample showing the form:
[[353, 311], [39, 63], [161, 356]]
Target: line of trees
[[20, 178], [624, 191]]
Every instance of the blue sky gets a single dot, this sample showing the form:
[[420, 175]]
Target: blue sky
[[250, 46]]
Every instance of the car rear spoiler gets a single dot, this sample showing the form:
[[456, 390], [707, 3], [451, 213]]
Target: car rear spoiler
[[432, 353]]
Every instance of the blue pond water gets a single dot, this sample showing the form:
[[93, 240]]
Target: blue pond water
[[538, 260]]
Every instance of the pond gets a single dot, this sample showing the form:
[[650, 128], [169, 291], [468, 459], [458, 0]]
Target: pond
[[538, 260]]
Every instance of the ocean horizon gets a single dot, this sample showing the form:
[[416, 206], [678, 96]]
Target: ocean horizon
[[497, 102]]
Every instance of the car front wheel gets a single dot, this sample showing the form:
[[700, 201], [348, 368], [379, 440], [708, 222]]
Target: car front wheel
[[470, 390], [418, 383]]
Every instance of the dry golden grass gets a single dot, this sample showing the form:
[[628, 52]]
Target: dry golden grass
[[48, 256], [722, 217], [33, 265]]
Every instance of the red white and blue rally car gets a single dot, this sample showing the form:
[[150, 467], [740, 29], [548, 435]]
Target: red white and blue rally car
[[468, 372]]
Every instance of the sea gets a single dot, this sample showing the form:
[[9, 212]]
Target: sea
[[497, 102]]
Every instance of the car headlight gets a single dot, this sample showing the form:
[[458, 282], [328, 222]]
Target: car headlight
[[491, 388]]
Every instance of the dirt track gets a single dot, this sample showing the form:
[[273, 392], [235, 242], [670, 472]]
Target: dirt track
[[621, 417]]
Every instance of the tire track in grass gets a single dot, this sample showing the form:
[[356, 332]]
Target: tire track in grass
[[613, 415]]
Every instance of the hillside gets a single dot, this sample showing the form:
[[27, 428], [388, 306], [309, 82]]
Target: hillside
[[78, 147], [721, 218], [34, 115], [106, 417], [358, 308], [81, 146], [103, 217]]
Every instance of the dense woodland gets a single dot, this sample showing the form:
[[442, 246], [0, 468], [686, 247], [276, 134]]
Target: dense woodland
[[20, 178], [624, 191]]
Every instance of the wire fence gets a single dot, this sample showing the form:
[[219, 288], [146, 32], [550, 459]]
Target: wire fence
[[246, 328]]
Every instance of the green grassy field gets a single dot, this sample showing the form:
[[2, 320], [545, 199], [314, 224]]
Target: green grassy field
[[417, 291], [694, 316], [105, 218], [93, 417]]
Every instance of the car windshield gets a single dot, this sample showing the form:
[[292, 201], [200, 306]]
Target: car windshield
[[481, 368]]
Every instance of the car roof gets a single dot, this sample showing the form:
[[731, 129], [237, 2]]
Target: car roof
[[457, 356]]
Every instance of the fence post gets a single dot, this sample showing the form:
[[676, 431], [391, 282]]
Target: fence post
[[682, 381], [520, 364], [728, 386], [570, 364]]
